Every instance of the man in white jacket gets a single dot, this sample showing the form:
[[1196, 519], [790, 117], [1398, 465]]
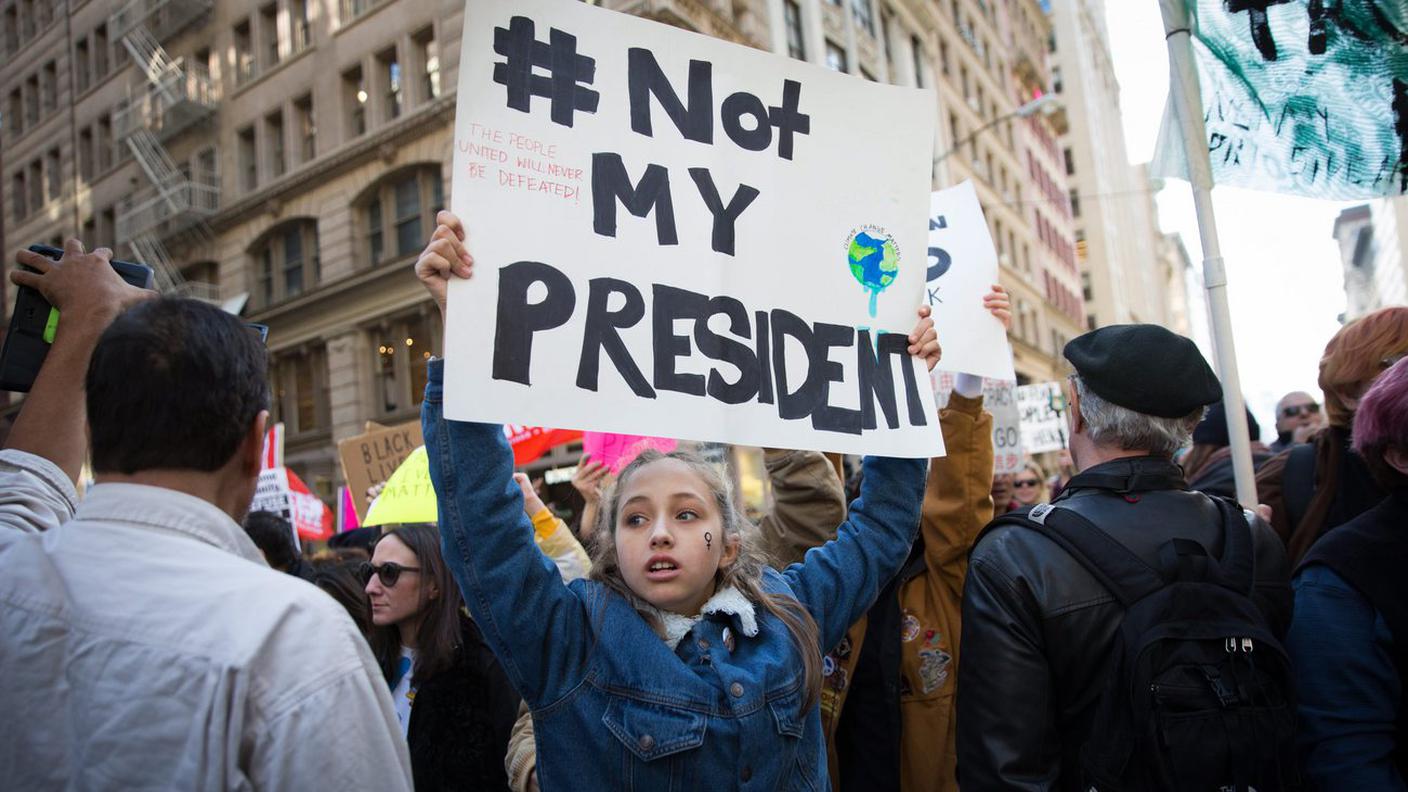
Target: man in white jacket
[[147, 645]]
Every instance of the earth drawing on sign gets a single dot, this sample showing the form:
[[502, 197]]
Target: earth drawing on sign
[[874, 260]]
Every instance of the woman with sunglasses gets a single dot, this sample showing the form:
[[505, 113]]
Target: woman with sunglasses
[[1029, 485], [454, 702]]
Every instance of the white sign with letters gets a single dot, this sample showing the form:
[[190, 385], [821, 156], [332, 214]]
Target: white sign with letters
[[1042, 407], [962, 269], [681, 237]]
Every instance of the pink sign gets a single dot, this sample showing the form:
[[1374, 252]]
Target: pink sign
[[617, 450]]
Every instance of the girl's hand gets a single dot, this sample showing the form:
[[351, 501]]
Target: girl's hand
[[999, 304], [532, 504], [924, 340], [589, 478], [443, 256]]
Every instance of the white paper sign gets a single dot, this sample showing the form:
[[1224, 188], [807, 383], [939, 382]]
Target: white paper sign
[[1042, 407], [1000, 399], [681, 237], [963, 268]]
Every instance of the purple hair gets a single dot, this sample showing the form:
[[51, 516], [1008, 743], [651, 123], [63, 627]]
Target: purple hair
[[1382, 418]]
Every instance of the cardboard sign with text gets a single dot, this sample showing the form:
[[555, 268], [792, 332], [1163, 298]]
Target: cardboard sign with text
[[963, 268], [1000, 399], [371, 458], [677, 236], [1042, 406]]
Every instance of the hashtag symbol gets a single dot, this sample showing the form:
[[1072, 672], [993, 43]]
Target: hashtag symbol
[[567, 72]]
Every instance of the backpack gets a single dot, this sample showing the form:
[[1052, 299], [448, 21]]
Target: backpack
[[1199, 695]]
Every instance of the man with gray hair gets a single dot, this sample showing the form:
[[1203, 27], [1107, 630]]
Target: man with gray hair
[[1040, 629]]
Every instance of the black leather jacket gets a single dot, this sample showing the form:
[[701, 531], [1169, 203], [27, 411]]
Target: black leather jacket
[[1038, 630]]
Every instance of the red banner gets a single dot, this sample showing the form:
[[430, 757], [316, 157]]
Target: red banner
[[531, 442]]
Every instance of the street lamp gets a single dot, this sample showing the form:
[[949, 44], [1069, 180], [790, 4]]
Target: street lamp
[[1045, 104]]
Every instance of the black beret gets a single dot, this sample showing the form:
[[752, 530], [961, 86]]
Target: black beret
[[1213, 430], [1145, 368]]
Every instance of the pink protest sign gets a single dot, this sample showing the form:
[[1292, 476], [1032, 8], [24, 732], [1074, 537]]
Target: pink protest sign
[[617, 450]]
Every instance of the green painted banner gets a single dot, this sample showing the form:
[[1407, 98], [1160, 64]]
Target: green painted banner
[[1305, 96]]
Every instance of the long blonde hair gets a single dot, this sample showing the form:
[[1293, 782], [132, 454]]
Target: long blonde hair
[[744, 574]]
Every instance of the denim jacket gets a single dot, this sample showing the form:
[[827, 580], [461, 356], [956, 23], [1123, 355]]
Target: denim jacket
[[613, 706]]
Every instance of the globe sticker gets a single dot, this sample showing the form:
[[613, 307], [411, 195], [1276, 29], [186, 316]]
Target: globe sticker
[[874, 259]]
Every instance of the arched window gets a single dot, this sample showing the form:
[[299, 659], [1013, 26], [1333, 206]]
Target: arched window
[[285, 262], [396, 215]]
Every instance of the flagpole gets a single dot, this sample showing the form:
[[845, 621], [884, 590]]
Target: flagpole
[[1187, 100]]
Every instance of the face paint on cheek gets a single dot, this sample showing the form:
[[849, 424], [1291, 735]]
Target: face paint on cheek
[[708, 541]]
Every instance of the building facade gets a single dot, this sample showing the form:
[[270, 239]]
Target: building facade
[[1123, 280], [285, 159], [1373, 241]]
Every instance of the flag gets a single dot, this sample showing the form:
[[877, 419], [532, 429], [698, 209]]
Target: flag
[[1307, 97], [531, 442]]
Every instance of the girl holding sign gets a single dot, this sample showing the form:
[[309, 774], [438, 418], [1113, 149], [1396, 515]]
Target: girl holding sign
[[684, 661]]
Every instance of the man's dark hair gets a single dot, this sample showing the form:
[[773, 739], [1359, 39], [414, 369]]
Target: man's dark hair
[[273, 535], [173, 384]]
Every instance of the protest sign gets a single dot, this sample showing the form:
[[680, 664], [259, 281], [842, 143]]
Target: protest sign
[[617, 450], [963, 268], [531, 442], [1000, 399], [1308, 98], [1043, 415], [281, 491], [371, 458], [681, 237]]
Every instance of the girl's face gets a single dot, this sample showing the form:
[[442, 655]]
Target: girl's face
[[669, 537], [1026, 487], [396, 603]]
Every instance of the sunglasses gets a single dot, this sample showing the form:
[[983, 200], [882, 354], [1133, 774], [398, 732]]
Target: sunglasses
[[1295, 410], [1026, 483], [389, 573]]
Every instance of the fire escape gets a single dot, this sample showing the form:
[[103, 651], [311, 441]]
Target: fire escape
[[175, 95]]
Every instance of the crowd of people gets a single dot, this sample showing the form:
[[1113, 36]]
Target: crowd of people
[[1113, 622]]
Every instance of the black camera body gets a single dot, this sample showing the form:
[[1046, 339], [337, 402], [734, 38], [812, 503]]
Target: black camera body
[[35, 321]]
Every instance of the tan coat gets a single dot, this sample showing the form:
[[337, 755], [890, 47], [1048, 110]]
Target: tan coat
[[957, 504]]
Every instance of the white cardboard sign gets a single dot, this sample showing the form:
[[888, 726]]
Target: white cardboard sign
[[1043, 424], [681, 237], [1000, 399], [963, 268]]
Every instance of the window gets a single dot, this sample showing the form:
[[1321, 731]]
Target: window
[[835, 57], [269, 34], [81, 64], [15, 111], [792, 20], [1075, 202], [1070, 163], [244, 54], [397, 213], [963, 78], [389, 73], [105, 150], [286, 261], [51, 87], [249, 162], [27, 20], [53, 165], [943, 57], [17, 194], [31, 101], [12, 29], [274, 136], [34, 182], [85, 154], [916, 51], [302, 29], [402, 354], [354, 99], [864, 16], [101, 56], [1056, 79], [299, 380], [307, 128], [351, 9], [428, 61]]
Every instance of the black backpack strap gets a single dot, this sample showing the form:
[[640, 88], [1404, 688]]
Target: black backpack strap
[[1118, 569], [1298, 482]]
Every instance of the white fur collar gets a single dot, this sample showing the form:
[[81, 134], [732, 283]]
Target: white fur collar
[[727, 600]]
